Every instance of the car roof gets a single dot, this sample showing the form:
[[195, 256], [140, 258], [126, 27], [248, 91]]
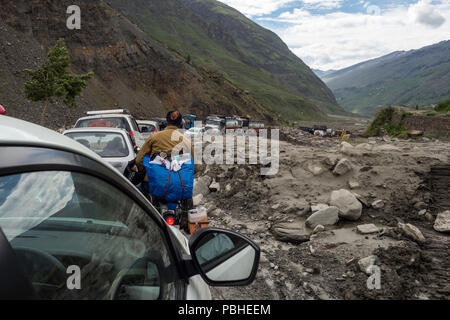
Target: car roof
[[14, 131], [106, 115], [97, 129], [146, 121]]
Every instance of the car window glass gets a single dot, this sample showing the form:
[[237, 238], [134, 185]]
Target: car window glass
[[105, 144], [78, 237], [134, 124], [111, 122]]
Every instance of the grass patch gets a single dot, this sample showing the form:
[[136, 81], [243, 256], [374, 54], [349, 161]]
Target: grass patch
[[443, 106], [384, 120]]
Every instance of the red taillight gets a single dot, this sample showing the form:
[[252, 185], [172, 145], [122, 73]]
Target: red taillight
[[155, 131], [131, 133], [170, 221]]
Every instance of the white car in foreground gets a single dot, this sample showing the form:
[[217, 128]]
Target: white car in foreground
[[72, 227], [113, 145]]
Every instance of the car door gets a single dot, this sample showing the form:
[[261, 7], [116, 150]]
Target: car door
[[80, 233]]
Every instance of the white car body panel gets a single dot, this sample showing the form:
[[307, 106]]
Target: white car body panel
[[237, 267], [18, 132]]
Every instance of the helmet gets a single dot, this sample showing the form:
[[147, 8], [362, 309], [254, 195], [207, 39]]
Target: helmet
[[2, 110]]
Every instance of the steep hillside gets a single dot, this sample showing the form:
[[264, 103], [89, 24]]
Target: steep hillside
[[131, 69], [210, 34], [416, 77]]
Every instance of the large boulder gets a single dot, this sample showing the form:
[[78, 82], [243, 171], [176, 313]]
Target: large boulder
[[348, 149], [442, 223], [318, 207], [330, 161], [349, 206], [342, 167], [201, 185], [293, 206], [295, 232], [324, 217], [364, 147]]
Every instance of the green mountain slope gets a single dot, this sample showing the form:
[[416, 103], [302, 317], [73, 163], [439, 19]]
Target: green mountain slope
[[416, 77], [131, 70], [211, 35]]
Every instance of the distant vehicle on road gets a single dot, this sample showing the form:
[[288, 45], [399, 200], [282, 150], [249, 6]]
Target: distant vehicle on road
[[148, 127], [64, 212], [232, 124], [215, 122], [162, 122], [256, 125], [189, 120], [112, 144], [307, 129], [119, 118]]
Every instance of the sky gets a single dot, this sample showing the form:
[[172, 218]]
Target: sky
[[334, 34]]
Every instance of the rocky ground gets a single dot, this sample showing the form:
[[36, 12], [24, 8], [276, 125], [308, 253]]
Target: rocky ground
[[334, 209]]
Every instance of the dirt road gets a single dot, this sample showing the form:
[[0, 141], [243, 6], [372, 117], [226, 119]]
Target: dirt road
[[398, 183]]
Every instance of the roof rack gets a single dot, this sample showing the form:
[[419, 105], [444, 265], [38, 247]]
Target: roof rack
[[115, 111]]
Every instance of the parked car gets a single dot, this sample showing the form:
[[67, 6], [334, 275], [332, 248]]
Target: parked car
[[120, 118], [72, 227], [162, 122], [189, 120], [215, 122], [148, 127], [112, 144], [256, 125]]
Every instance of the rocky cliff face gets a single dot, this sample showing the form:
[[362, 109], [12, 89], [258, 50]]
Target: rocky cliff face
[[131, 70], [213, 35]]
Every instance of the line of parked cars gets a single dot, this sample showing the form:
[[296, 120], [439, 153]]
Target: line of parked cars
[[73, 227], [116, 135]]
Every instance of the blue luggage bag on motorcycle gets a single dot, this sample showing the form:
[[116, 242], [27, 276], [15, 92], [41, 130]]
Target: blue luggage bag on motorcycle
[[172, 186]]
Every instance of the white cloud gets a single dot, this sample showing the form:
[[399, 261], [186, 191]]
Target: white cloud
[[253, 8], [257, 8], [425, 13], [338, 39], [322, 4]]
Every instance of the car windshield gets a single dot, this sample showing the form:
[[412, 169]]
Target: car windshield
[[56, 220], [105, 144], [108, 122]]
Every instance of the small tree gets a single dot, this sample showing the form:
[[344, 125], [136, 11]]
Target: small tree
[[53, 80]]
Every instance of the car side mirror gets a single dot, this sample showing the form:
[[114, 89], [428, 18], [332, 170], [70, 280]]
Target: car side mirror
[[224, 257]]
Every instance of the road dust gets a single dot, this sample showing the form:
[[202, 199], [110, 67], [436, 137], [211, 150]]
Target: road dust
[[314, 245]]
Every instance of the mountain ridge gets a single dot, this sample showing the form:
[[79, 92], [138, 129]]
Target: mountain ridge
[[414, 77], [216, 36]]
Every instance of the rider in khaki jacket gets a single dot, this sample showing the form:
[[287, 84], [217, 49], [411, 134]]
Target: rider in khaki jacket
[[166, 141]]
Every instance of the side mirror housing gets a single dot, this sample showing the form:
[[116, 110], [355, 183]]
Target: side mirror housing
[[224, 257]]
